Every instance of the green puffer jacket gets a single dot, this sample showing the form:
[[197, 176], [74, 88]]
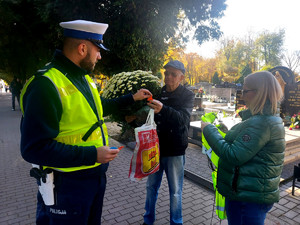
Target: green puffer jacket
[[251, 158]]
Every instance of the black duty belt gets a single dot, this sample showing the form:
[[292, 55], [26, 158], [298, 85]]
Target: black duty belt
[[40, 174]]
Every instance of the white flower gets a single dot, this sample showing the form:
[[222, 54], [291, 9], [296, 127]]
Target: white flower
[[126, 82]]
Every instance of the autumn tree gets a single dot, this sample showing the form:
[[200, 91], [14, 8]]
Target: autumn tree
[[174, 52], [227, 63], [257, 53], [192, 59], [208, 67]]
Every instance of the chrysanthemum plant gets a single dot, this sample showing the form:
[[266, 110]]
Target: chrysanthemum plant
[[130, 82]]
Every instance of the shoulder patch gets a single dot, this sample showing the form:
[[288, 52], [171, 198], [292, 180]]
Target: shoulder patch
[[246, 138]]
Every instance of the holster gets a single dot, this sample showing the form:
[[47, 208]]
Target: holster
[[45, 180]]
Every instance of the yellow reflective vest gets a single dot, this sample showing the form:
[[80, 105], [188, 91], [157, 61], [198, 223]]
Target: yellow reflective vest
[[79, 125], [206, 149]]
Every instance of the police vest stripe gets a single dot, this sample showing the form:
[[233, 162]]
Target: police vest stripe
[[77, 115], [220, 208]]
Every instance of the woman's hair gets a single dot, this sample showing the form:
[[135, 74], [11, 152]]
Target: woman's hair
[[267, 89]]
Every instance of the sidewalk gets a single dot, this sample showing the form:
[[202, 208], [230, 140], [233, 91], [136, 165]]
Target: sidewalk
[[124, 199]]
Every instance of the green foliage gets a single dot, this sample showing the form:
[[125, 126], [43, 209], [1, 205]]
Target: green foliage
[[26, 41], [269, 46], [139, 30], [159, 75], [204, 15], [266, 68], [138, 33], [130, 82], [245, 71], [216, 79]]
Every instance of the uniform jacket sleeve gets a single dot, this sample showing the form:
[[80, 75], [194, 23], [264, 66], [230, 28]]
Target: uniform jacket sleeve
[[112, 105]]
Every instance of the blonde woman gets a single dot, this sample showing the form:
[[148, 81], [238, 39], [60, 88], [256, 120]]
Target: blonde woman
[[252, 153]]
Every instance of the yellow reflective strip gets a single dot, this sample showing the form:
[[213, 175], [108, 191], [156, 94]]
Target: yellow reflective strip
[[67, 90], [71, 169], [220, 208], [94, 85], [24, 89], [77, 138]]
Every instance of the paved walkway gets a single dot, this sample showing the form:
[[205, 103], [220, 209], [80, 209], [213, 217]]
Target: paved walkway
[[124, 199]]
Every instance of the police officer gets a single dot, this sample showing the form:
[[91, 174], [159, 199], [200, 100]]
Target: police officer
[[62, 127]]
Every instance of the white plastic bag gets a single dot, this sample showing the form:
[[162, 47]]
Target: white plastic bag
[[145, 158]]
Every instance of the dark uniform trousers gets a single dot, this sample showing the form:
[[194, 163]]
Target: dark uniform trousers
[[78, 198]]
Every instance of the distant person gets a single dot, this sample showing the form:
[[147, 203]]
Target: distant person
[[15, 88], [252, 154], [172, 110], [63, 130]]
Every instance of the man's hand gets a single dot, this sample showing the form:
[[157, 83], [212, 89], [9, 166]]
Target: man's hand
[[156, 105], [142, 94], [105, 154]]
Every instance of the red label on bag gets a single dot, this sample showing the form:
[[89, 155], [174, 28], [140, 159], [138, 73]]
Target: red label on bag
[[147, 137], [150, 159], [145, 159], [149, 151]]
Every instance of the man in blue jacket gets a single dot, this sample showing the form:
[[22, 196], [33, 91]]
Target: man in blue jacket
[[172, 110]]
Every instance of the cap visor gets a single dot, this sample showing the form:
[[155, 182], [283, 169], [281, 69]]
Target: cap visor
[[100, 45], [103, 47]]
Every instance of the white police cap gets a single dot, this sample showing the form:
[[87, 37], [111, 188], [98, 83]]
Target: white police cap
[[87, 30]]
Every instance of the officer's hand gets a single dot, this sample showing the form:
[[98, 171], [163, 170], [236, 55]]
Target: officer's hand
[[156, 105], [142, 94], [105, 154]]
